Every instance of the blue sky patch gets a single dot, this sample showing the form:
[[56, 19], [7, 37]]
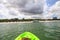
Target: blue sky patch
[[51, 2]]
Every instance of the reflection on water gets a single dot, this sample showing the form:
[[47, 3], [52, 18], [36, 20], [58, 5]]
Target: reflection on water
[[53, 30], [43, 30]]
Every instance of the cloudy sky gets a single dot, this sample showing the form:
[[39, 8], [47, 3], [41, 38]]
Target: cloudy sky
[[27, 8], [51, 9]]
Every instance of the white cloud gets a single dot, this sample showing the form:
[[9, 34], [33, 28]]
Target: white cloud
[[50, 12], [55, 9]]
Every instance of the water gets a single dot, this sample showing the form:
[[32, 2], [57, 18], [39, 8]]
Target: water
[[43, 30]]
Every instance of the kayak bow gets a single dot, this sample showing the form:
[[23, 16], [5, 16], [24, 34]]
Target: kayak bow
[[27, 36]]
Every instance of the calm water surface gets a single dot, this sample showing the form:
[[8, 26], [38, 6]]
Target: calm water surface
[[43, 30]]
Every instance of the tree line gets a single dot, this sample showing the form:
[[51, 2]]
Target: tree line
[[17, 20]]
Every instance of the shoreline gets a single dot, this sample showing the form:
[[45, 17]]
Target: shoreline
[[27, 22], [15, 22]]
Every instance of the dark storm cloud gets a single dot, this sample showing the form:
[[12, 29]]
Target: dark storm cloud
[[18, 3], [33, 10], [21, 4]]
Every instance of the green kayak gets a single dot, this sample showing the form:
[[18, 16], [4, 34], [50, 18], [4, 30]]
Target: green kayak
[[27, 36]]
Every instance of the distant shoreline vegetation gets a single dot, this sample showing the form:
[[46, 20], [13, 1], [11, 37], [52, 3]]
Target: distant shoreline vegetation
[[22, 20]]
